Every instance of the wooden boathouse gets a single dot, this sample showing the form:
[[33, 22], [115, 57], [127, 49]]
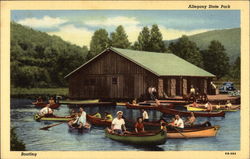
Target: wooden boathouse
[[126, 74]]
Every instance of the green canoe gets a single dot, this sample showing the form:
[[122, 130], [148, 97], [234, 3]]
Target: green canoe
[[147, 138], [53, 118]]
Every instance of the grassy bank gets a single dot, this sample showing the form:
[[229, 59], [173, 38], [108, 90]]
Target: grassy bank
[[35, 92]]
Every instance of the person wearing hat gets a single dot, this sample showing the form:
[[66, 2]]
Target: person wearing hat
[[118, 123]]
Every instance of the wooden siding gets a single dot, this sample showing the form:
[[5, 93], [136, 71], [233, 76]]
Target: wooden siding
[[111, 76], [132, 80]]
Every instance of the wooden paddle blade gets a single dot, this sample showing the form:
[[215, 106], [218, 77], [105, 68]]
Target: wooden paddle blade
[[49, 126]]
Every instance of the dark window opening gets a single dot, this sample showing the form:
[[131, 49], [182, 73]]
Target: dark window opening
[[114, 80]]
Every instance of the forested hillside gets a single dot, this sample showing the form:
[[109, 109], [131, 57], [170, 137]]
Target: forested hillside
[[229, 38], [41, 60]]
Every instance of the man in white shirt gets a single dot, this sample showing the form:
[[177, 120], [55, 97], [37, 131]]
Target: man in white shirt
[[118, 123], [144, 115], [46, 111], [178, 122]]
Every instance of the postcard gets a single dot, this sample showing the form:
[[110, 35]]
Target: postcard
[[127, 79]]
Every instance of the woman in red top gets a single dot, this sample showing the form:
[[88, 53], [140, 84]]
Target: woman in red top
[[139, 127]]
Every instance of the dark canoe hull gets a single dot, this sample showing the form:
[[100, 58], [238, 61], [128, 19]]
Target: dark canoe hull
[[81, 130], [98, 121], [152, 107], [194, 133], [53, 118], [41, 105], [197, 114], [149, 139]]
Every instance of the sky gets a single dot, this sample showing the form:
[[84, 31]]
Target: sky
[[78, 26]]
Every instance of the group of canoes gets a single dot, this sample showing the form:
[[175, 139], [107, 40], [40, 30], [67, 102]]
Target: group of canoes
[[140, 133]]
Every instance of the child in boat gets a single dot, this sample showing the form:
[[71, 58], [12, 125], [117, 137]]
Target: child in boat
[[139, 127], [108, 116], [171, 123], [51, 101]]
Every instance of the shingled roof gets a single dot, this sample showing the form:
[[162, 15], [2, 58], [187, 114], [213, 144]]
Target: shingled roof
[[160, 64]]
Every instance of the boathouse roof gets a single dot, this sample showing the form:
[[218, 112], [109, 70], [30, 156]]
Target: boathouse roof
[[160, 64]]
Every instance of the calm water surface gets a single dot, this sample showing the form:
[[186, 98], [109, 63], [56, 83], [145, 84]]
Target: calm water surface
[[60, 138]]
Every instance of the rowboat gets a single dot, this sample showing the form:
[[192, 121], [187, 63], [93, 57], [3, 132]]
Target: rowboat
[[233, 108], [152, 107], [197, 114], [146, 138], [98, 121], [202, 132], [52, 118], [41, 105]]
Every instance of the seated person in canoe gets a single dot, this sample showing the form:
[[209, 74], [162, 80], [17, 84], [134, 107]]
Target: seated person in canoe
[[108, 116], [171, 123], [228, 104], [139, 127], [144, 115], [163, 124], [178, 123], [209, 106], [118, 124], [97, 115], [51, 101], [46, 111], [134, 102], [190, 120], [39, 100], [80, 121]]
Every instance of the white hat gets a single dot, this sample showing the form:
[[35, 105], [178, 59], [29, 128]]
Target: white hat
[[119, 112]]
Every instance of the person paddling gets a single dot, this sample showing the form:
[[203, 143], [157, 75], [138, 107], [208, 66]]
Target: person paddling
[[118, 124], [46, 111], [178, 123]]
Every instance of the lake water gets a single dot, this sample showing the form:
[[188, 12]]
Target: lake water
[[60, 138]]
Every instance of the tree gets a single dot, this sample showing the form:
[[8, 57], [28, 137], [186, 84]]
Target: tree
[[119, 38], [156, 42], [143, 40], [99, 42], [235, 71], [187, 50], [215, 59]]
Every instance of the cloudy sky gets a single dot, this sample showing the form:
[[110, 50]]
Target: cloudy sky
[[77, 26]]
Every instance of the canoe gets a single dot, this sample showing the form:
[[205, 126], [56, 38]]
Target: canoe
[[200, 109], [52, 118], [41, 105], [79, 101], [210, 131], [152, 107], [147, 138], [98, 121], [172, 101], [197, 114]]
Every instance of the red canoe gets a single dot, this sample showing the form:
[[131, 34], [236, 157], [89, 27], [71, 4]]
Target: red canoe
[[197, 114], [41, 105]]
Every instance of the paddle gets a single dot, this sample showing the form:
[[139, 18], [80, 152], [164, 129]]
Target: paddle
[[180, 133], [52, 125]]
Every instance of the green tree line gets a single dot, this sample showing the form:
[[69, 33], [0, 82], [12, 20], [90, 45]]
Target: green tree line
[[41, 60]]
